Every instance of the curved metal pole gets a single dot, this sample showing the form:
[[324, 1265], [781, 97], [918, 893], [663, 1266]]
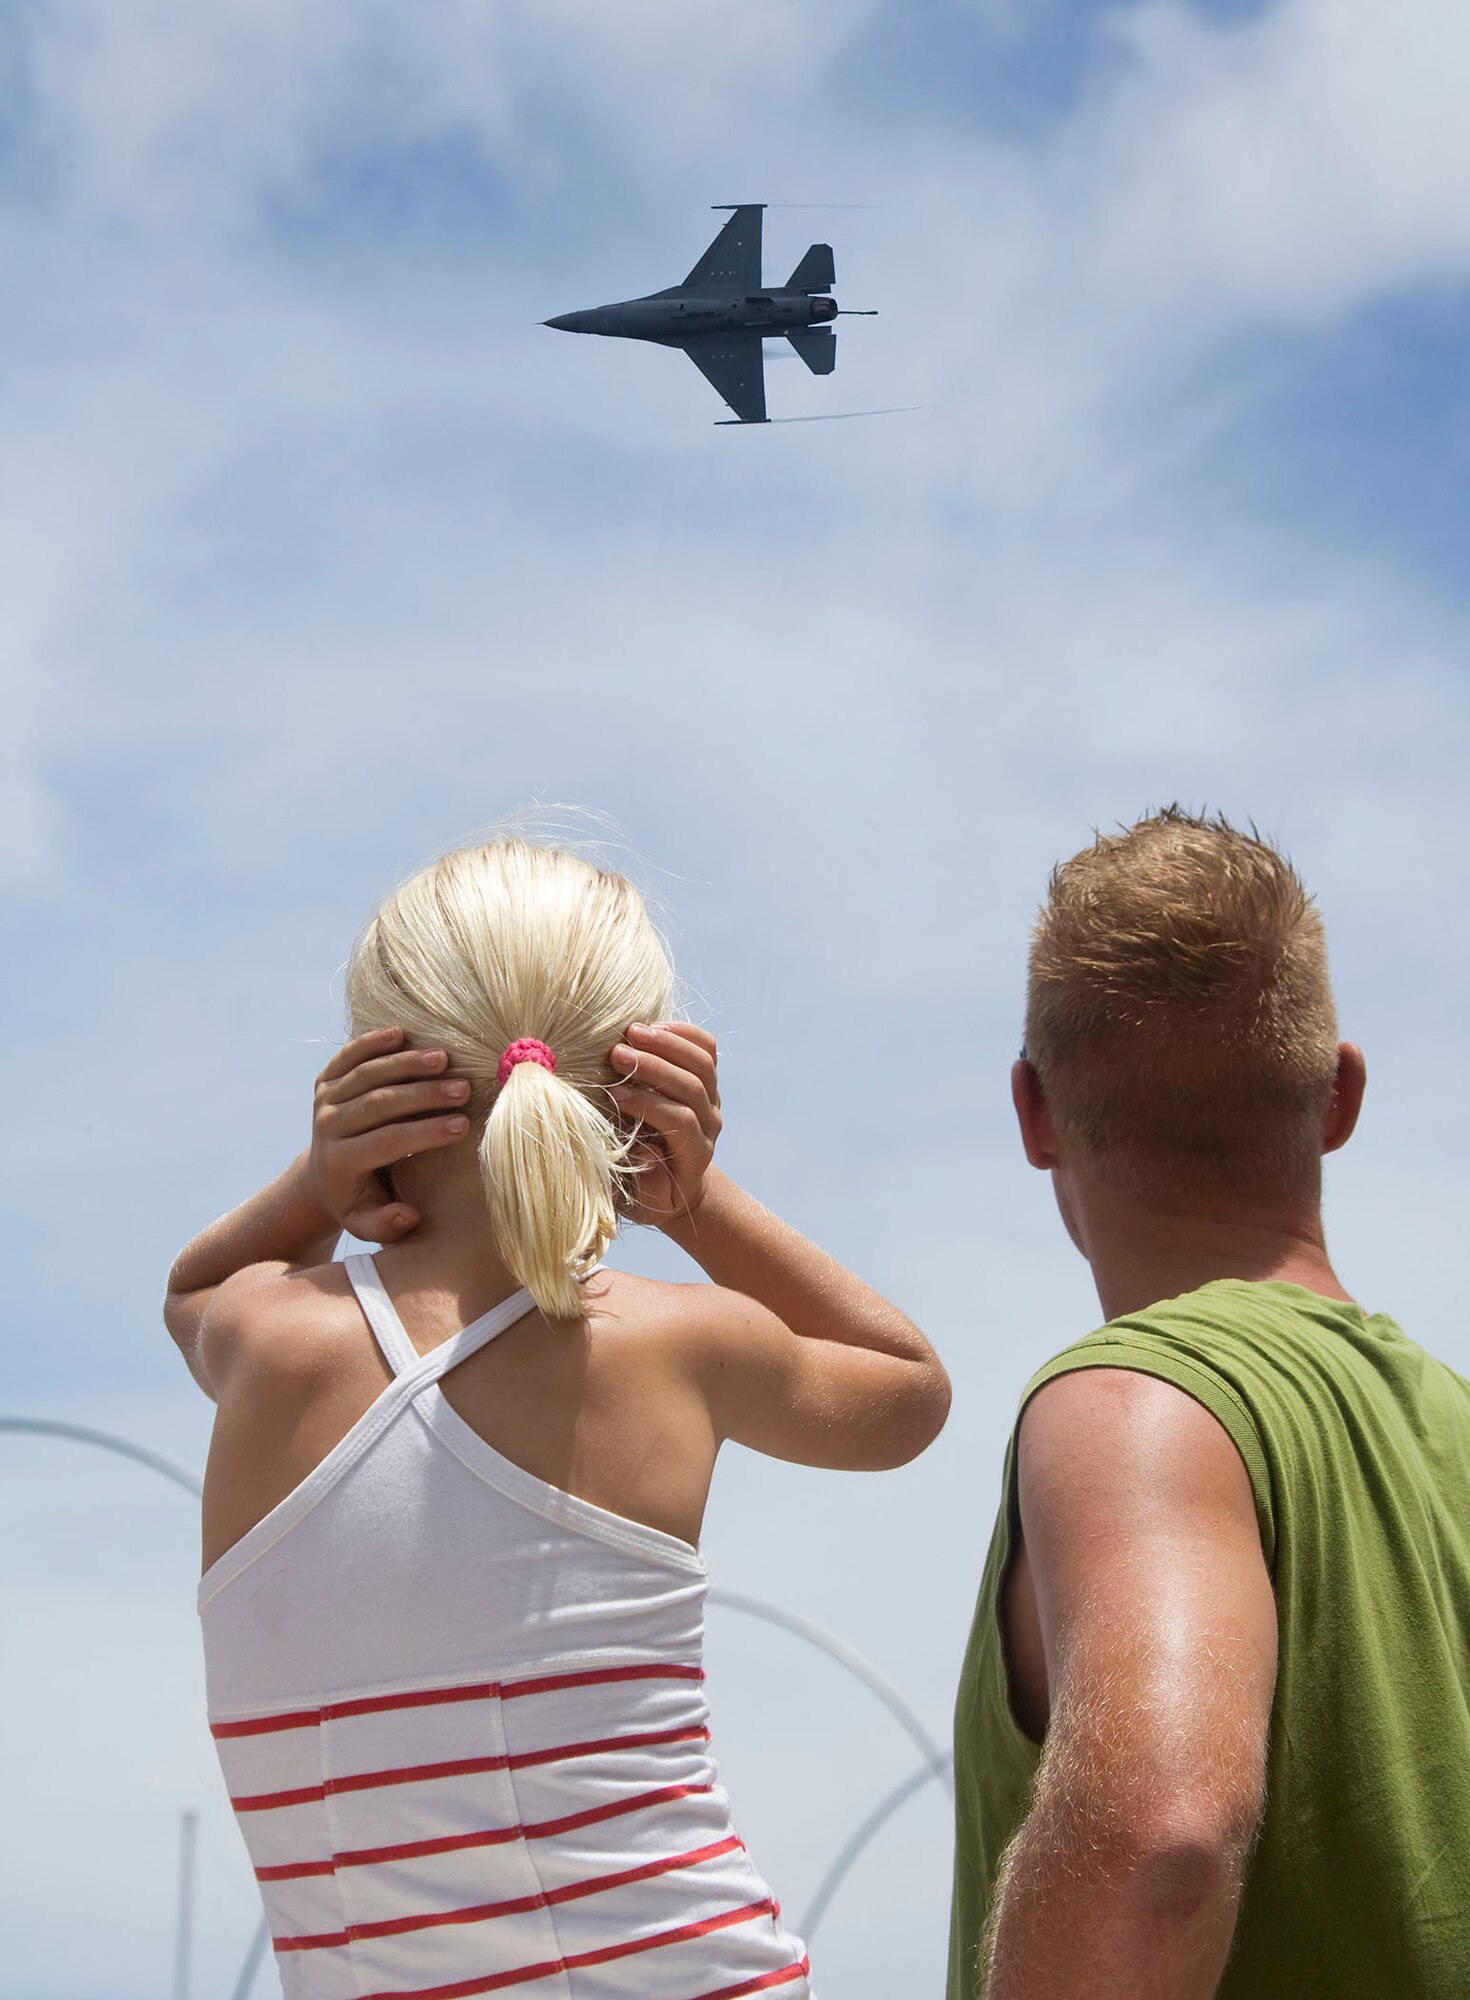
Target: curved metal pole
[[873, 1825], [105, 1441], [252, 1963], [935, 1767], [936, 1761], [732, 1600], [184, 1931]]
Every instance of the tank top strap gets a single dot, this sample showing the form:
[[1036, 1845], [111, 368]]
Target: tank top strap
[[392, 1336], [377, 1309]]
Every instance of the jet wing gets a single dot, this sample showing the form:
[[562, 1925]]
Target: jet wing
[[733, 261], [736, 368]]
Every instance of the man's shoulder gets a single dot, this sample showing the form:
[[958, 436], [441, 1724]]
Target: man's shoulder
[[1192, 1352], [1189, 1328], [1218, 1327], [1201, 1346]]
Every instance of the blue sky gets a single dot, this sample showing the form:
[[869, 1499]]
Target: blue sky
[[320, 552]]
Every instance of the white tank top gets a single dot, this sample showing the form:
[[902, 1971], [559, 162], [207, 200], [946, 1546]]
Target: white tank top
[[461, 1718]]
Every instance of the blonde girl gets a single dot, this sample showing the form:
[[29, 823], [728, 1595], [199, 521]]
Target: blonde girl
[[452, 1601]]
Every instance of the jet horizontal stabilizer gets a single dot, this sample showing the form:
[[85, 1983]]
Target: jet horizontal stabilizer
[[817, 348], [816, 272]]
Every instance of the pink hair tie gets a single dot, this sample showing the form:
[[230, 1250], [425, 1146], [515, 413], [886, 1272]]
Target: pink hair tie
[[527, 1049]]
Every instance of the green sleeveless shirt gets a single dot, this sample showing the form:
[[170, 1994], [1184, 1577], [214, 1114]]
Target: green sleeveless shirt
[[1357, 1444]]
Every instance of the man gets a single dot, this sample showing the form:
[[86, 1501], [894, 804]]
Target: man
[[1213, 1733]]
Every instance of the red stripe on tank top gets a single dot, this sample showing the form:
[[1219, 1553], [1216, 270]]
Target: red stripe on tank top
[[763, 1984], [379, 1704], [373, 1704], [597, 1677], [546, 1829], [513, 1906], [464, 1767], [523, 1975]]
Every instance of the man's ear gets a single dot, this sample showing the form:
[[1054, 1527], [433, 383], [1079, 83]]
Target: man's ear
[[1347, 1097], [1038, 1134]]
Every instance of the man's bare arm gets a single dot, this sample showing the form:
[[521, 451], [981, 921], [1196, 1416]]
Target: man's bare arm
[[1159, 1628]]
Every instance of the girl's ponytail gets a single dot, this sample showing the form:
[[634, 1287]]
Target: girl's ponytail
[[481, 952], [550, 1160]]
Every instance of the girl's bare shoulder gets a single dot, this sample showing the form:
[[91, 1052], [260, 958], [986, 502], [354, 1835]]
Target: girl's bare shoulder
[[285, 1319], [693, 1320]]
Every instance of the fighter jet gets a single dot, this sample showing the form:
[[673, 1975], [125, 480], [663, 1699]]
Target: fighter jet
[[722, 312]]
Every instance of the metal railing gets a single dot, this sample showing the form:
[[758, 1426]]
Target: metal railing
[[935, 1766]]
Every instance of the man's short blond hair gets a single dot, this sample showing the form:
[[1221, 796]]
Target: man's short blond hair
[[1179, 1012]]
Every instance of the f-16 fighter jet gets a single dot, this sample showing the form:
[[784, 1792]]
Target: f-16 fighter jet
[[722, 312]]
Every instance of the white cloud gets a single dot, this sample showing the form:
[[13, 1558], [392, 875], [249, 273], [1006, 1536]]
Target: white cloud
[[1293, 167], [313, 563], [154, 107], [166, 113]]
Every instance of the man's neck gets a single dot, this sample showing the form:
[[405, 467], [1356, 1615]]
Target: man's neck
[[1140, 1255]]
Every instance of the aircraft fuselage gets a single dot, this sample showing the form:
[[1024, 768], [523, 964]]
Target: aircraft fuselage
[[683, 318]]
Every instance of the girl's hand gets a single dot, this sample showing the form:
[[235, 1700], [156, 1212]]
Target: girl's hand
[[376, 1103], [673, 1094]]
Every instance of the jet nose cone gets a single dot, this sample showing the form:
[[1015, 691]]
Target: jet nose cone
[[565, 322]]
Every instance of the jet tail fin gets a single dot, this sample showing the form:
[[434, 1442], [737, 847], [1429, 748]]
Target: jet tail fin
[[817, 348], [816, 271]]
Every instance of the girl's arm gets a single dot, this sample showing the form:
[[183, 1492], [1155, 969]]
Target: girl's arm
[[819, 1367], [806, 1361], [283, 1227], [375, 1104]]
